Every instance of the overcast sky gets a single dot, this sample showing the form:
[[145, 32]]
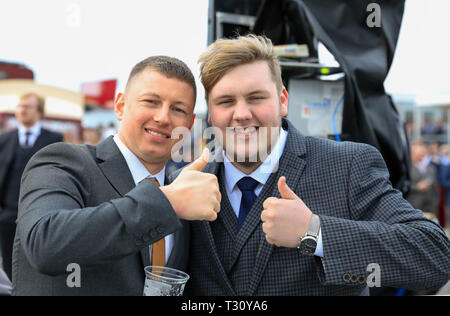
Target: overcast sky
[[68, 42]]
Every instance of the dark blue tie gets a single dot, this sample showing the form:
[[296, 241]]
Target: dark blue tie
[[247, 186], [27, 139]]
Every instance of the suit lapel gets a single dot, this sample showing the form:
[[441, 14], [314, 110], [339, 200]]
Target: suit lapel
[[291, 167], [40, 141], [226, 215], [7, 154], [292, 164], [214, 168], [11, 146], [115, 168]]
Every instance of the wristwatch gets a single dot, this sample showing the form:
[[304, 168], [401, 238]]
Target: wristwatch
[[308, 243]]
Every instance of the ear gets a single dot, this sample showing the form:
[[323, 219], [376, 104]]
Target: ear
[[119, 106], [284, 100]]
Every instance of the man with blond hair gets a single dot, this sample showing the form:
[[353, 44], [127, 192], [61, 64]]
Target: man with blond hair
[[299, 215], [16, 149]]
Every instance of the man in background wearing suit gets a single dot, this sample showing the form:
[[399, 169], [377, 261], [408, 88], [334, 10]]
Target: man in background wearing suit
[[315, 217], [108, 209], [16, 149]]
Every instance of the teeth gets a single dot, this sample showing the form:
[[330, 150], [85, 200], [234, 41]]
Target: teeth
[[156, 134], [245, 131]]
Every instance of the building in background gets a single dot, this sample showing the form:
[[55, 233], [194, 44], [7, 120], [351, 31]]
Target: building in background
[[10, 70]]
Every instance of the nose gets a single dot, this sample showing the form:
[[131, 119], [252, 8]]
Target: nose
[[162, 115], [242, 111]]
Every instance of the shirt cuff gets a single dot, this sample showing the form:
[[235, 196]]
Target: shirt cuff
[[319, 248]]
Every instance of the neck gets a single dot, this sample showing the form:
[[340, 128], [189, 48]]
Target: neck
[[247, 167], [153, 168], [28, 125]]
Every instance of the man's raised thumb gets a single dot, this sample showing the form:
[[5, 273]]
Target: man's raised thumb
[[200, 163], [285, 191]]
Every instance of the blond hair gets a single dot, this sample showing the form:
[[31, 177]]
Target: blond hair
[[226, 54], [39, 99]]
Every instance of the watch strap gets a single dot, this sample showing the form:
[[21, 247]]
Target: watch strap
[[314, 226]]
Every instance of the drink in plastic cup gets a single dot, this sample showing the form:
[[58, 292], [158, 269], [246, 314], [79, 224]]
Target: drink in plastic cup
[[163, 281]]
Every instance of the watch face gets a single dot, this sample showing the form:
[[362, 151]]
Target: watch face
[[308, 245]]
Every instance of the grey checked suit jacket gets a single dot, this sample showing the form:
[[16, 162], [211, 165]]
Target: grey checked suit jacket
[[363, 221], [77, 209]]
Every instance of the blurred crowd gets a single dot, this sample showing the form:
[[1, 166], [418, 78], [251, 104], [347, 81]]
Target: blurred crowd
[[430, 179], [90, 135], [437, 128]]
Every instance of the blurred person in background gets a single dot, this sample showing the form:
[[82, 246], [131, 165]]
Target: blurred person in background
[[439, 161], [110, 130], [437, 158], [424, 194], [72, 138], [91, 136], [16, 149], [444, 179]]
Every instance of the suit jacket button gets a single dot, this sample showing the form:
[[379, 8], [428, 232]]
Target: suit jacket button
[[346, 277], [160, 229], [153, 234]]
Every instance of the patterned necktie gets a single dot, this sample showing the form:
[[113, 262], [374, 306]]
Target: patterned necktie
[[159, 247], [247, 185]]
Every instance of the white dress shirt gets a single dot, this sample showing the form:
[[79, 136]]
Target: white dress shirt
[[262, 174], [139, 173], [34, 131]]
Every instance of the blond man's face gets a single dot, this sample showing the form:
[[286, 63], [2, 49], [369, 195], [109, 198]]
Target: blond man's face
[[27, 111], [241, 103]]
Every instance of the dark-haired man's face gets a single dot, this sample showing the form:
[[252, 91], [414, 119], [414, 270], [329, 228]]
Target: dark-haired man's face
[[150, 109]]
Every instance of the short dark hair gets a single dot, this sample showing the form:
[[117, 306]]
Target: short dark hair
[[168, 66]]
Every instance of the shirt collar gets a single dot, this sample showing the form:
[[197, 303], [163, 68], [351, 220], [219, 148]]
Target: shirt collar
[[35, 130], [262, 174], [137, 169]]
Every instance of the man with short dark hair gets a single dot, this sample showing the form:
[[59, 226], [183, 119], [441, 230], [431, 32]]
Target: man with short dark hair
[[109, 209], [16, 149]]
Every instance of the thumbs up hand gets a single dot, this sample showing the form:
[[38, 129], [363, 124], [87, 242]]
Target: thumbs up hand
[[285, 220], [195, 195]]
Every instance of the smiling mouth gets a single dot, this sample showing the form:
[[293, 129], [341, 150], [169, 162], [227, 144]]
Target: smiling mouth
[[156, 134], [244, 131]]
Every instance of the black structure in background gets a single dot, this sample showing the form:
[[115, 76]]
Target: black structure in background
[[365, 55]]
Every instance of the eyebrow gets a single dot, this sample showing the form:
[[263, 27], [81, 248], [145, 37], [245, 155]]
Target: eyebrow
[[150, 95], [230, 96], [155, 95], [225, 96], [257, 92]]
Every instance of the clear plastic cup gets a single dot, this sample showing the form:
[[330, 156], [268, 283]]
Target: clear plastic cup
[[163, 281]]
